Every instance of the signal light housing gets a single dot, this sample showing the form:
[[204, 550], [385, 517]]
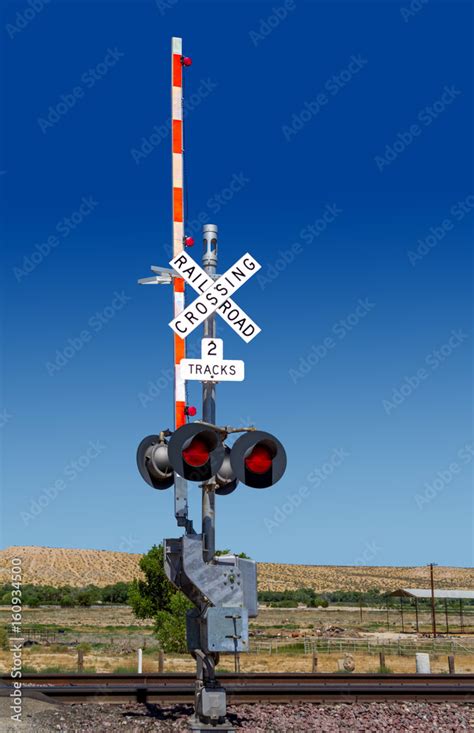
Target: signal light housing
[[153, 462], [226, 478], [196, 452], [186, 61], [258, 459]]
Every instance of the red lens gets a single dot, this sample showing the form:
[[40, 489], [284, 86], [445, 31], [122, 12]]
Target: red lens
[[197, 452], [260, 459]]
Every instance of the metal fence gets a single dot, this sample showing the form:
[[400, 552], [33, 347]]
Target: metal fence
[[400, 646]]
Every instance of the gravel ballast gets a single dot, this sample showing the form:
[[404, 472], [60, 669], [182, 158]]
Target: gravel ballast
[[297, 718]]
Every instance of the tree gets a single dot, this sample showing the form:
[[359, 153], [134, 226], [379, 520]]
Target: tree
[[228, 552], [85, 598], [170, 625], [156, 598], [117, 593], [153, 594]]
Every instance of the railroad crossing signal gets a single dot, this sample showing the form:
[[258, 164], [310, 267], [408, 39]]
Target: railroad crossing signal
[[197, 452], [223, 590], [215, 296]]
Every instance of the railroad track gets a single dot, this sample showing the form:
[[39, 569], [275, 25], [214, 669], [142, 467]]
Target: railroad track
[[249, 688]]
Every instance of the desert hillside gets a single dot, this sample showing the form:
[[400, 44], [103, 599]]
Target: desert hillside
[[57, 566]]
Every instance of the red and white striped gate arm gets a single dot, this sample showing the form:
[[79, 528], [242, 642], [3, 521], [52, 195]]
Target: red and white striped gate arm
[[178, 217]]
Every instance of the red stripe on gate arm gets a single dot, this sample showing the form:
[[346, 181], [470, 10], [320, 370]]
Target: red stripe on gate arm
[[180, 415], [178, 285], [177, 71], [177, 204], [179, 349], [177, 136]]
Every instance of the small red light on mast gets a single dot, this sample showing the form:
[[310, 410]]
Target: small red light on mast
[[190, 410], [186, 61], [189, 242]]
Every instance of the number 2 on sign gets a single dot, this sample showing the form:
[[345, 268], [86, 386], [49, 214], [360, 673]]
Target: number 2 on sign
[[212, 349]]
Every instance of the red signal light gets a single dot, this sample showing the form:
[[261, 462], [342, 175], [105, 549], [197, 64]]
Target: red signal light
[[189, 242], [196, 453], [190, 410], [260, 459], [186, 61]]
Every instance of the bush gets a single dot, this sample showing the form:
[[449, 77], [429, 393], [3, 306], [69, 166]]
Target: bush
[[170, 625], [84, 647], [156, 598], [284, 604]]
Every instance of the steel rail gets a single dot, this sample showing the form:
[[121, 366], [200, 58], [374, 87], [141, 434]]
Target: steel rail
[[269, 678], [257, 688]]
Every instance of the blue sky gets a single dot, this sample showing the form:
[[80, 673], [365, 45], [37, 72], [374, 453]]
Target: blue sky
[[333, 142]]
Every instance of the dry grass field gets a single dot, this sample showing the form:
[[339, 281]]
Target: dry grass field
[[112, 635], [44, 660], [57, 566]]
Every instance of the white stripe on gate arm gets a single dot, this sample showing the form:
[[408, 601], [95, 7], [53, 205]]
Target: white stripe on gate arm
[[200, 281], [197, 312]]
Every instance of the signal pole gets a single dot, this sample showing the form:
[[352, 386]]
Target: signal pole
[[209, 262]]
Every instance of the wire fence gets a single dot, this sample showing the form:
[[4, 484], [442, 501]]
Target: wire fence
[[400, 646]]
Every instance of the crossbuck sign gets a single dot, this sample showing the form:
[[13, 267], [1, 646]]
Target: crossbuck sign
[[215, 296]]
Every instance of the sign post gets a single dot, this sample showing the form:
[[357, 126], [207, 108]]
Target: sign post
[[209, 261]]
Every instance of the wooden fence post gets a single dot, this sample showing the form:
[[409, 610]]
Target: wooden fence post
[[80, 660], [382, 660], [315, 662], [161, 661], [451, 664]]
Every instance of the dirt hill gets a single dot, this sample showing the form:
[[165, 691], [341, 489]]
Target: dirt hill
[[57, 566]]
